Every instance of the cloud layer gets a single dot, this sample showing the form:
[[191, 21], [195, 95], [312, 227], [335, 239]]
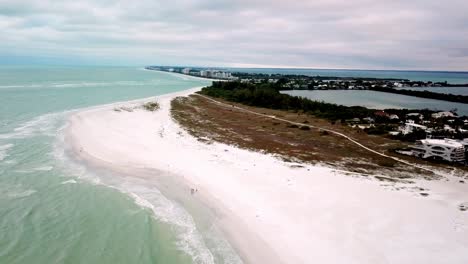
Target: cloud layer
[[377, 34]]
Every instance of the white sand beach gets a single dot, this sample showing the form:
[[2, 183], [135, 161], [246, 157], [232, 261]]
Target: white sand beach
[[271, 212]]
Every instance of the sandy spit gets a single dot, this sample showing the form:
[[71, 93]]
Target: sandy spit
[[271, 212]]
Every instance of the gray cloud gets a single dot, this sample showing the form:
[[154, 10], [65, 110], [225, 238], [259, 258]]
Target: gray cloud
[[376, 34]]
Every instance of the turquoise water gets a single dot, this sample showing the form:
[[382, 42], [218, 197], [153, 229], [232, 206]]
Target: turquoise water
[[434, 76], [53, 210], [378, 100]]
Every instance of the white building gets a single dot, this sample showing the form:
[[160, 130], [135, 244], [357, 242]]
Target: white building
[[449, 128], [443, 114], [205, 73], [216, 74], [443, 149], [186, 71], [416, 115], [410, 127]]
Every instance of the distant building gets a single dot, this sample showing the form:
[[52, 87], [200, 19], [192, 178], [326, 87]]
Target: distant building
[[394, 117], [381, 113], [410, 127], [449, 129], [354, 120], [217, 74], [186, 71], [443, 114], [442, 149], [415, 115]]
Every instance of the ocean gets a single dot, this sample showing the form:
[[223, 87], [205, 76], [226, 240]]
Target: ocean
[[53, 210], [56, 210]]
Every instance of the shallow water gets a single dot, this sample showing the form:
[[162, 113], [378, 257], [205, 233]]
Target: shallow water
[[55, 210]]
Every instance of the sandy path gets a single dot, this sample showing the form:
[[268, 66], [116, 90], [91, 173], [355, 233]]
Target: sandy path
[[273, 213]]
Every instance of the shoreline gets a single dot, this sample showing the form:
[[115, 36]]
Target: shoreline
[[296, 215], [206, 210]]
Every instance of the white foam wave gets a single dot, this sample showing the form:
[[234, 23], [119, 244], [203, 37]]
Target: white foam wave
[[3, 151], [189, 239], [47, 125], [44, 168], [80, 84], [14, 191], [21, 194], [68, 182]]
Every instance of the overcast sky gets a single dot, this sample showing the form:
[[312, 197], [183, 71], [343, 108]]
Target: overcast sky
[[358, 34]]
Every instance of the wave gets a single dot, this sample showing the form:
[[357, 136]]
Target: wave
[[3, 151], [189, 239], [81, 84], [68, 182], [46, 125], [43, 168], [15, 191]]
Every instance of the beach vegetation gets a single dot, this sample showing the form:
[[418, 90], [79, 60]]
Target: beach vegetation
[[151, 106], [424, 94]]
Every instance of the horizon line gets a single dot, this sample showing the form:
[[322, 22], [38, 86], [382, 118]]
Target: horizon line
[[232, 67]]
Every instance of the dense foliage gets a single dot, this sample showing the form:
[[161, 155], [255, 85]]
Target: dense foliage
[[268, 96], [425, 94]]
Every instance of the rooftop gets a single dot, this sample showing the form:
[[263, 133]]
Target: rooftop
[[444, 142]]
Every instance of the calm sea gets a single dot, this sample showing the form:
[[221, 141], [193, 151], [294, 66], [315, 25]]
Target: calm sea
[[53, 210]]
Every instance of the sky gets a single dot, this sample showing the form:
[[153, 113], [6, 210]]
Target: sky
[[338, 34]]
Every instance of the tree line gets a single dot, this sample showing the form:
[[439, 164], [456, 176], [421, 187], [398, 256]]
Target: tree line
[[267, 95], [424, 94]]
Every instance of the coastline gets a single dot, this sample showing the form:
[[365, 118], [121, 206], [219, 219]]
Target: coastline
[[292, 215], [205, 209], [182, 76]]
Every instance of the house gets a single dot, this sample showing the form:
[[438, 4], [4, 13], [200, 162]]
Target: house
[[394, 117], [353, 120], [443, 114], [410, 127], [442, 149], [415, 115], [449, 129], [381, 114]]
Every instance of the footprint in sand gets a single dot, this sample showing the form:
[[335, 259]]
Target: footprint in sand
[[463, 207]]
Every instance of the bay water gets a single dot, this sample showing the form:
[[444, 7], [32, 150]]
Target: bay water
[[378, 100]]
